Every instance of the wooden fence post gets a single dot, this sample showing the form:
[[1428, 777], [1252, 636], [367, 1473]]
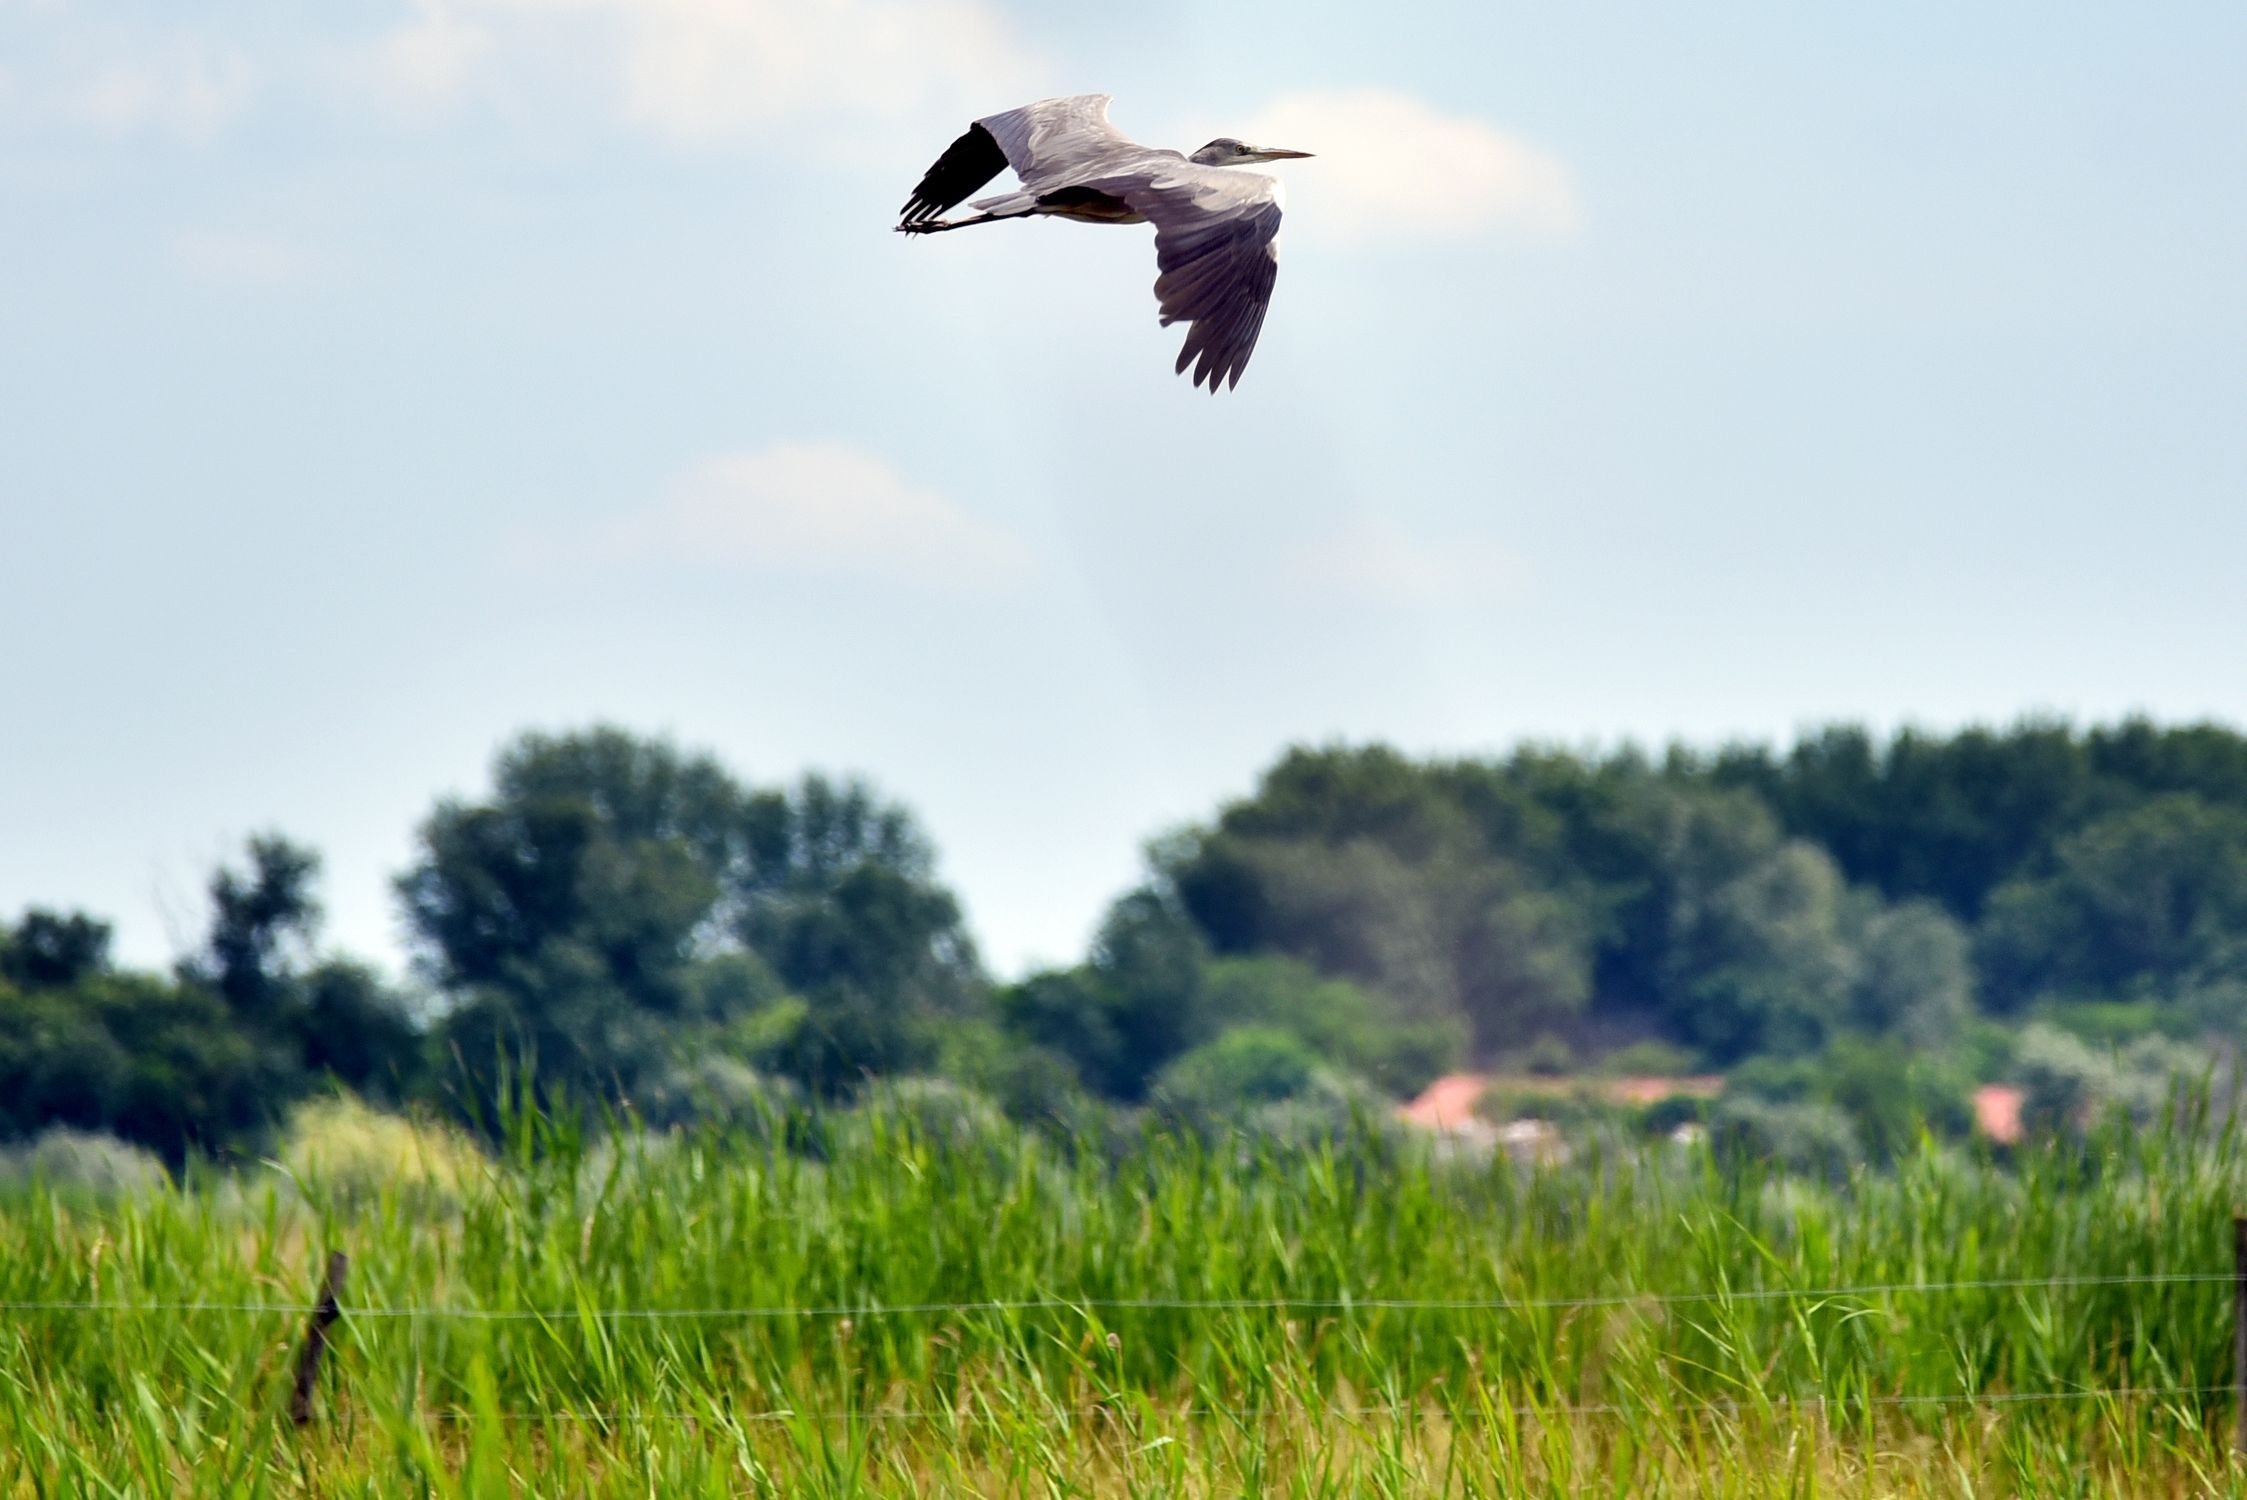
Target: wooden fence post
[[2239, 1334], [316, 1336]]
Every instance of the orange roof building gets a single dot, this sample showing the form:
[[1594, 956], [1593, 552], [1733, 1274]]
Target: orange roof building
[[1448, 1104], [1997, 1112]]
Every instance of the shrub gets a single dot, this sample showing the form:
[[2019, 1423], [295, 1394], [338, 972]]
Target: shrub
[[1811, 1138], [1548, 1056], [1651, 1058], [83, 1162], [721, 1091], [340, 1147], [934, 1110], [1576, 1107], [1665, 1115], [1244, 1068]]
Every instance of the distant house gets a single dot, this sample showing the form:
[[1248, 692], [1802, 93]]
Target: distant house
[[1997, 1112], [1448, 1105], [1446, 1109]]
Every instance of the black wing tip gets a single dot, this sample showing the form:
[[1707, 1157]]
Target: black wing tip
[[966, 165]]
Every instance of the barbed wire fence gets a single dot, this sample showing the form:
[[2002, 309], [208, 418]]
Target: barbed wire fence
[[861, 1310], [328, 1310], [1378, 1410]]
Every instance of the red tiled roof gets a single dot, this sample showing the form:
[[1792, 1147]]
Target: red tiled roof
[[1446, 1104], [1449, 1102], [1997, 1112]]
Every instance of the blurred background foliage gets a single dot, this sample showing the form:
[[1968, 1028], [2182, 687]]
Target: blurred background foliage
[[1856, 932]]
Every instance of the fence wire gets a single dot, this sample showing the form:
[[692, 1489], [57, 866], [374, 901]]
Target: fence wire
[[1151, 1411], [1645, 1299], [717, 1416]]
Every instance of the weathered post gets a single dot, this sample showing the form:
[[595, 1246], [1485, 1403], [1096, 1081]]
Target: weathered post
[[316, 1336], [2239, 1335]]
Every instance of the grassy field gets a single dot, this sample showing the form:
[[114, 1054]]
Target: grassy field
[[727, 1315]]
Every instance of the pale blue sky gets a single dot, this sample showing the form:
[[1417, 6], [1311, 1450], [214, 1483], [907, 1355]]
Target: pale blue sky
[[378, 380]]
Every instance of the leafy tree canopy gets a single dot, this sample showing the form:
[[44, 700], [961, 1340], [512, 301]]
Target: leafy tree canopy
[[598, 907]]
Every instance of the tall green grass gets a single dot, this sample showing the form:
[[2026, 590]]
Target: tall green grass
[[795, 1310]]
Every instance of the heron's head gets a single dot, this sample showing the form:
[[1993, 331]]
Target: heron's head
[[1227, 152]]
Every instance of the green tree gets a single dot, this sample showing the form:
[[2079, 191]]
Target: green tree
[[1914, 976], [311, 1017], [262, 925], [1941, 816], [59, 1063], [207, 1059], [2065, 1084], [158, 1062], [354, 1027], [1243, 1075], [1416, 882], [1953, 817], [1346, 1025], [593, 912], [2152, 897], [1134, 1005], [1811, 1137], [1890, 1093], [587, 858], [1153, 991], [564, 916], [196, 1080], [1753, 957], [841, 899], [1069, 1014], [53, 950]]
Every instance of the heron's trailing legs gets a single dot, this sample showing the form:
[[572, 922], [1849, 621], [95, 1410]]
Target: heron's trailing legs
[[1088, 205], [933, 226]]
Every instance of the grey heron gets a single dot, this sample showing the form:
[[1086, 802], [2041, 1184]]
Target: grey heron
[[1216, 229]]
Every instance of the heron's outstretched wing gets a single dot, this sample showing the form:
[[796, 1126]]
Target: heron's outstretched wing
[[1217, 248], [1050, 143]]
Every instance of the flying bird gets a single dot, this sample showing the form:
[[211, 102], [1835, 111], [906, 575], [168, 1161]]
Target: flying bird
[[1216, 230]]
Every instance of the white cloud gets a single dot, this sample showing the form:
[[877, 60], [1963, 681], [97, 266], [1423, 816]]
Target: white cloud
[[230, 257], [1388, 166], [712, 72], [427, 63], [819, 509], [183, 86], [1375, 560]]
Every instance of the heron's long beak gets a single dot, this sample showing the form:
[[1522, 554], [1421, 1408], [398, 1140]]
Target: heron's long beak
[[1274, 153]]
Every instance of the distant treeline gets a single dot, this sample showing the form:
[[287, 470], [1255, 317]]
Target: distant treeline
[[1858, 928], [1749, 901]]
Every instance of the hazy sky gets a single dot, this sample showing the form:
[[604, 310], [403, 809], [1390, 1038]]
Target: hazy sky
[[379, 379]]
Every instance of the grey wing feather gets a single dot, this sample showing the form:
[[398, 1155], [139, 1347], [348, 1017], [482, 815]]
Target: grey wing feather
[[1217, 249], [1057, 140]]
